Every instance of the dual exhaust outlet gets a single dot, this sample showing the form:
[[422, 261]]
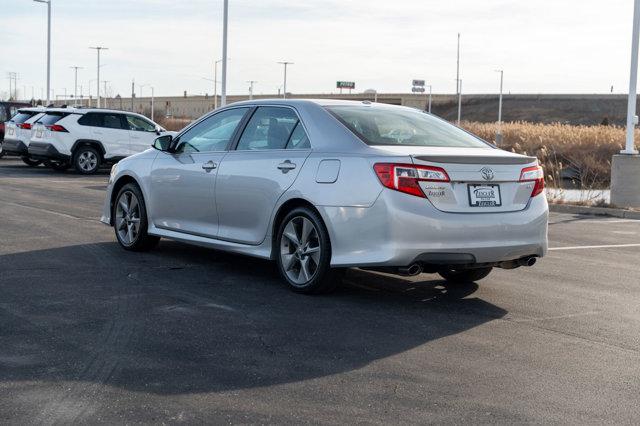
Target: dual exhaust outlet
[[417, 268]]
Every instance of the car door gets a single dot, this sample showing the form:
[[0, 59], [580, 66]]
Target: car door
[[182, 183], [112, 130], [252, 177], [142, 133]]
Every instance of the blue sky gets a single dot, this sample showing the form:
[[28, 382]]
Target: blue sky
[[544, 46]]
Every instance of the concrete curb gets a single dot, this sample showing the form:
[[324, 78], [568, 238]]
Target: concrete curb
[[596, 211]]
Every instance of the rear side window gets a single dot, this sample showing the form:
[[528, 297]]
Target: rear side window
[[269, 128], [51, 118], [102, 119], [22, 116], [391, 126]]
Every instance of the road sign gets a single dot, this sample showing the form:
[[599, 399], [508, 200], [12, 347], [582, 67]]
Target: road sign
[[417, 89], [345, 85], [419, 83]]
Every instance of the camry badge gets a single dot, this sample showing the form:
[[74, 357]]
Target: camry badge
[[487, 173]]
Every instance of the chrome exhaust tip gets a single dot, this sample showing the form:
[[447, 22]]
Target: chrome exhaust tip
[[527, 261], [411, 270]]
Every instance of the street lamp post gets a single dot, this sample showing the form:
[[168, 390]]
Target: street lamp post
[[499, 131], [98, 49], [48, 2], [75, 85], [429, 108], [284, 85], [625, 167], [459, 100], [225, 19]]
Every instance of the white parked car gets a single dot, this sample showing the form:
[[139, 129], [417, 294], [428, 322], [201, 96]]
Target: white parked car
[[18, 131], [87, 138]]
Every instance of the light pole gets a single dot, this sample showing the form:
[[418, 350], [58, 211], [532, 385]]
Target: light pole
[[251, 88], [98, 49], [284, 85], [225, 18], [48, 2], [75, 85], [429, 108], [499, 131], [150, 86], [633, 83], [215, 82], [459, 100]]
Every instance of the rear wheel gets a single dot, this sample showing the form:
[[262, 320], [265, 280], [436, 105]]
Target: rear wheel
[[130, 220], [86, 160], [464, 275], [30, 161], [304, 253]]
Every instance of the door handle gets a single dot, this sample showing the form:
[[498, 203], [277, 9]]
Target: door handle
[[209, 165], [286, 166]]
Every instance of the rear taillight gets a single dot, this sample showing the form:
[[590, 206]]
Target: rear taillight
[[533, 174], [406, 177], [25, 126], [56, 128]]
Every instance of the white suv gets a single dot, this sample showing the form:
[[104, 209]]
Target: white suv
[[18, 132], [87, 138]]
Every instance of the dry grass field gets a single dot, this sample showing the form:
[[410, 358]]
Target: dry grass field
[[584, 152]]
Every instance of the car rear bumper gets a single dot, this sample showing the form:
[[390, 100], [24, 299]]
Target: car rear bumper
[[14, 147], [399, 229], [46, 151]]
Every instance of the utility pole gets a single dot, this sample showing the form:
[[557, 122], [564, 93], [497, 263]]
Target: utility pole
[[459, 101], [106, 96], [499, 131], [251, 88], [152, 114], [75, 84], [429, 108], [284, 85], [98, 49], [225, 18], [133, 92], [48, 2]]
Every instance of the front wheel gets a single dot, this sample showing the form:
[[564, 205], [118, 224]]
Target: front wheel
[[30, 161], [130, 220], [303, 253], [464, 275]]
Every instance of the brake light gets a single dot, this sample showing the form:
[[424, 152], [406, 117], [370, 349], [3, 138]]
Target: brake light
[[25, 126], [56, 128], [533, 174], [406, 177]]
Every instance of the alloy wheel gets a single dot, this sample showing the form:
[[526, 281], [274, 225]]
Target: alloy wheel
[[87, 160], [128, 218], [300, 250]]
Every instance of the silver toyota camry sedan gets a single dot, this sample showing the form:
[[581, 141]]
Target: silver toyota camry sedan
[[320, 185]]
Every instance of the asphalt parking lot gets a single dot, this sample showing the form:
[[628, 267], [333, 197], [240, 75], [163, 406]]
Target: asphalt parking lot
[[90, 333]]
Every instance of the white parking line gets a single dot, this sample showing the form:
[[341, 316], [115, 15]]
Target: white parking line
[[594, 247]]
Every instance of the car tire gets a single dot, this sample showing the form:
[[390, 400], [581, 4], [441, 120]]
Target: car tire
[[58, 166], [30, 161], [303, 253], [86, 160], [130, 223], [464, 275]]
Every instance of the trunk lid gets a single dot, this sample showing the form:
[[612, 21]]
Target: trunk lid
[[481, 180]]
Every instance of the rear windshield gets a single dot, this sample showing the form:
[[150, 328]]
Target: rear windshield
[[22, 116], [51, 118], [388, 126]]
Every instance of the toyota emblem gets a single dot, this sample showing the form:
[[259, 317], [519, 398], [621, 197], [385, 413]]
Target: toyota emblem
[[487, 173]]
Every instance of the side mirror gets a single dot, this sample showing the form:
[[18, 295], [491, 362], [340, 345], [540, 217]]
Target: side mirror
[[163, 143]]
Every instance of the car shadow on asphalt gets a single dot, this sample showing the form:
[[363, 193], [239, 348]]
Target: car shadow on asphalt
[[183, 319]]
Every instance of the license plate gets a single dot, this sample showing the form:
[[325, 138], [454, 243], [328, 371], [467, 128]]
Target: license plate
[[482, 195], [38, 133]]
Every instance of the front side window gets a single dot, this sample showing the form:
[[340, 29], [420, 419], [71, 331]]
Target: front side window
[[271, 128], [213, 133], [390, 126], [139, 124]]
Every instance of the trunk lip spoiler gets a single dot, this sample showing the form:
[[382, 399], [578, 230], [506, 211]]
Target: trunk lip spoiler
[[472, 159]]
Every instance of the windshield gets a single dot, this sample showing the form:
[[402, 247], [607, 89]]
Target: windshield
[[402, 127]]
